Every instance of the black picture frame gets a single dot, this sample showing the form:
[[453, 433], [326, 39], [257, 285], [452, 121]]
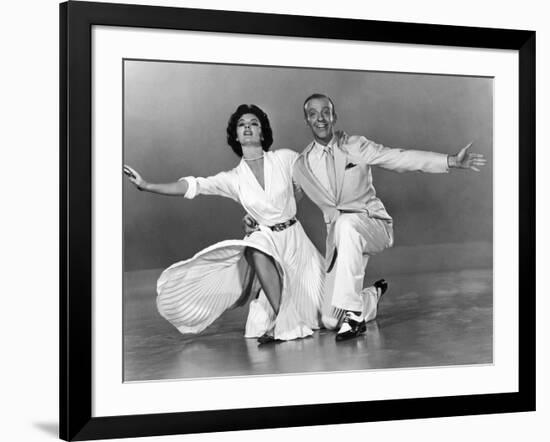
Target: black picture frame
[[76, 239]]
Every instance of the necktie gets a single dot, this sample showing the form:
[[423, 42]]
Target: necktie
[[331, 169]]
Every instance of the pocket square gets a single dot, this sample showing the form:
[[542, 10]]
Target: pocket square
[[350, 165]]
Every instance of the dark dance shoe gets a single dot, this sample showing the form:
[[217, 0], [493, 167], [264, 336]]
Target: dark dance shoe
[[381, 284], [352, 326], [267, 339]]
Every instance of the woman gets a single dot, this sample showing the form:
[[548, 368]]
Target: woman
[[195, 292]]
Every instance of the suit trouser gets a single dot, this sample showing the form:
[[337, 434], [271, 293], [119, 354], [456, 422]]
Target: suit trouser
[[357, 236]]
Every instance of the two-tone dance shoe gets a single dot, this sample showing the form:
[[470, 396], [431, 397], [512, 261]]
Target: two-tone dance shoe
[[352, 326]]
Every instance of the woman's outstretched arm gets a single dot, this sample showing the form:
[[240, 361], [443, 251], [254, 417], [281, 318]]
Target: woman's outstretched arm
[[178, 188]]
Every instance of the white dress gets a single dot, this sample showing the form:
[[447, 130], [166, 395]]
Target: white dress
[[195, 292]]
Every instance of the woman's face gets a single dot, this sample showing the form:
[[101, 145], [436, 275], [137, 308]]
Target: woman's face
[[249, 130]]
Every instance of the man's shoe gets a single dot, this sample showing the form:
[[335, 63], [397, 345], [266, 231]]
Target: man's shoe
[[352, 327], [382, 285]]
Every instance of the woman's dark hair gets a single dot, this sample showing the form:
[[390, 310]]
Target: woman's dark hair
[[267, 133]]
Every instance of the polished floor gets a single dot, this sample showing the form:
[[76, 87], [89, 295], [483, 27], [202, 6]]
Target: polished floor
[[424, 320]]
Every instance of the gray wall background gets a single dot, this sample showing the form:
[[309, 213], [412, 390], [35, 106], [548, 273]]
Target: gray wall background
[[175, 116]]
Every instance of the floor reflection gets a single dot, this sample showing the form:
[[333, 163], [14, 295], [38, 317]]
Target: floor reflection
[[428, 319]]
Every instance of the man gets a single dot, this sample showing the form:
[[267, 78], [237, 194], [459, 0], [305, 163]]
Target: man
[[336, 176]]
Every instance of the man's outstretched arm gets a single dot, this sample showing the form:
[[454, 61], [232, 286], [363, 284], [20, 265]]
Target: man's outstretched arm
[[403, 160]]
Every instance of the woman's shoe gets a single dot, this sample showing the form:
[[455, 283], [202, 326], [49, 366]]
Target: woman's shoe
[[267, 339]]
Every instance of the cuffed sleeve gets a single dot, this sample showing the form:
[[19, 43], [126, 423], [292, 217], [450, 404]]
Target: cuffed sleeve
[[222, 184], [192, 187]]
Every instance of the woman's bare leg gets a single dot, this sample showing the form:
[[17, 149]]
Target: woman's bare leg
[[265, 268]]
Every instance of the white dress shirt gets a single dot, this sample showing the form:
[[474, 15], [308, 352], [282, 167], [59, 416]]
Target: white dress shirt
[[318, 163]]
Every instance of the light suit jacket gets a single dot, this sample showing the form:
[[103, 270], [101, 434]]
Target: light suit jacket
[[354, 187]]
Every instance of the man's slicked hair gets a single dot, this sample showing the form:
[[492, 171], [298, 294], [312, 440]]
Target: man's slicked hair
[[319, 96]]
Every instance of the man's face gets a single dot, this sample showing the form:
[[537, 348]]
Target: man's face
[[320, 117]]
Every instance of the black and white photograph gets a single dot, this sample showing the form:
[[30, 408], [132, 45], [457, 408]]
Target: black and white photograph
[[262, 221], [289, 220]]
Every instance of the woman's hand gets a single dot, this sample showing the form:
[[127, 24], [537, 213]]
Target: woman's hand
[[465, 160], [177, 188], [134, 177], [341, 137], [249, 224]]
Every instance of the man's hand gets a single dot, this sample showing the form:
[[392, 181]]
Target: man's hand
[[465, 160], [249, 224]]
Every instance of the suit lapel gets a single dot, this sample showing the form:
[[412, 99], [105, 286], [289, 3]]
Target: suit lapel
[[308, 174], [340, 166]]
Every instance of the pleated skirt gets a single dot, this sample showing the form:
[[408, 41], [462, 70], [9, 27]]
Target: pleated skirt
[[192, 294]]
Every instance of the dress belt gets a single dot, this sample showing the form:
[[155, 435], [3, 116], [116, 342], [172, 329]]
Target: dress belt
[[351, 211], [284, 225]]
